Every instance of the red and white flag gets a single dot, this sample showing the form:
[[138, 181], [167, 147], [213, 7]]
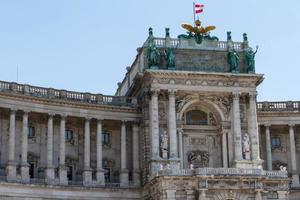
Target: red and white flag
[[199, 8]]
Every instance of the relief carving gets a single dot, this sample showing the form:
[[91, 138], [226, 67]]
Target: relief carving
[[198, 158]]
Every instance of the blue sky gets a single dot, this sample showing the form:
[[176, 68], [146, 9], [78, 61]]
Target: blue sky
[[85, 45]]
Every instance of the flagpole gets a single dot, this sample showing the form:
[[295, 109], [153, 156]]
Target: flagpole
[[194, 13]]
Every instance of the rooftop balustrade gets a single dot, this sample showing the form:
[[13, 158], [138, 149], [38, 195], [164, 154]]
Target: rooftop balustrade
[[50, 93], [278, 106], [213, 45]]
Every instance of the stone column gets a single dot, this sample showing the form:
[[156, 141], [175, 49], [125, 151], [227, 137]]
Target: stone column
[[268, 148], [100, 170], [237, 127], [50, 175], [293, 156], [180, 139], [224, 149], [124, 171], [253, 126], [63, 180], [154, 125], [258, 195], [171, 194], [87, 171], [11, 164], [24, 165], [190, 195], [172, 125], [202, 194], [282, 195], [135, 156]]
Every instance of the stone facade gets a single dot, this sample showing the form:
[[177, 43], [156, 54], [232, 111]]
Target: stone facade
[[191, 132]]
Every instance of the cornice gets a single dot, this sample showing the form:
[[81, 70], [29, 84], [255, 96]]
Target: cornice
[[66, 103], [255, 79]]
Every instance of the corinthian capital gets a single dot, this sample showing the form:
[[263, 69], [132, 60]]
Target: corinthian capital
[[154, 91], [252, 95], [172, 92], [236, 95]]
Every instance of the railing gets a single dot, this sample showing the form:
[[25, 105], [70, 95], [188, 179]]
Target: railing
[[161, 42], [278, 106], [50, 93], [222, 172]]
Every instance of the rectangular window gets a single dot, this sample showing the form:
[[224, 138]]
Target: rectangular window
[[69, 135], [276, 142], [105, 138], [31, 132]]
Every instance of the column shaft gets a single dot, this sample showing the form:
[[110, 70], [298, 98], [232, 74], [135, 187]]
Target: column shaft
[[253, 126], [24, 166], [135, 156], [50, 175], [12, 136], [87, 172], [24, 138], [124, 172], [224, 150], [62, 142], [268, 148], [99, 144], [100, 172], [154, 125], [87, 144], [237, 127], [172, 125], [63, 180], [293, 156], [123, 146], [50, 142], [11, 164], [180, 135]]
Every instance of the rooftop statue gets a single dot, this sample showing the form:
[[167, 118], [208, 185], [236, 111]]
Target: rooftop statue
[[233, 60], [170, 58], [198, 32], [250, 59], [153, 55]]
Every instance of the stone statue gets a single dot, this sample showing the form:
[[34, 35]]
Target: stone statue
[[153, 55], [245, 37], [233, 60], [170, 58], [164, 145], [229, 36], [246, 146], [250, 59], [191, 166], [282, 168]]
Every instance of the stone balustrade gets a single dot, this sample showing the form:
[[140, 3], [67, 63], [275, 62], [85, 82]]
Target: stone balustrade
[[278, 106], [49, 93], [216, 45], [222, 172]]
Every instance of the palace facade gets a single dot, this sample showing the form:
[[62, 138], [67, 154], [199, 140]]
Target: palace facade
[[184, 124]]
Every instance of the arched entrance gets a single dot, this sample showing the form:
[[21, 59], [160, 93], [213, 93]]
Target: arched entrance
[[202, 141]]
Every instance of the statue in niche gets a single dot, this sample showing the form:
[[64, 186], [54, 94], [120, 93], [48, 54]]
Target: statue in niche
[[233, 60], [170, 58], [250, 59], [246, 146], [164, 145], [153, 55]]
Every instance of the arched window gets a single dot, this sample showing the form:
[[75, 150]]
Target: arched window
[[196, 117]]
